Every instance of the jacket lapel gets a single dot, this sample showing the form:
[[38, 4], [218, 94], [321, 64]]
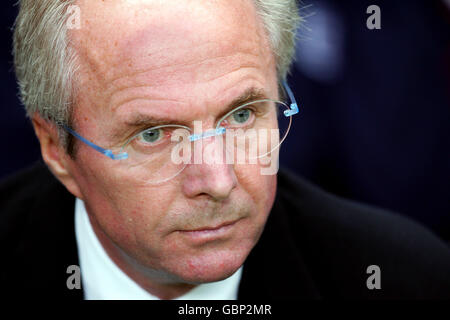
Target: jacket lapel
[[49, 245], [275, 268]]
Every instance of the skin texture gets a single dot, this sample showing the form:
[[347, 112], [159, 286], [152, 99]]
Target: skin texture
[[180, 59]]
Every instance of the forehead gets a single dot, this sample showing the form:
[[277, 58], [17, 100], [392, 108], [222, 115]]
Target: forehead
[[161, 50], [138, 35]]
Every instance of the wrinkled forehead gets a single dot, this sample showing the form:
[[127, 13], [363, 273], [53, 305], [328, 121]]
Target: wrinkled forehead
[[123, 38]]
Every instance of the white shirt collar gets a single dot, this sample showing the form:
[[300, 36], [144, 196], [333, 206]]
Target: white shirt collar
[[102, 279]]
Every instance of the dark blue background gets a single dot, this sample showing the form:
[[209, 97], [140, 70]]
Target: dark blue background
[[376, 106]]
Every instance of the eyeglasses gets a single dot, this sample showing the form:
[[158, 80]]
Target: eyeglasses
[[245, 135]]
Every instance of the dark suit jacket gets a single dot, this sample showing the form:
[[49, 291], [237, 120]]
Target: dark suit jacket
[[314, 245]]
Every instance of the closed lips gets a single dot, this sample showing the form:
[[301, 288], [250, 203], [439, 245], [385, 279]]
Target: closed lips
[[211, 228]]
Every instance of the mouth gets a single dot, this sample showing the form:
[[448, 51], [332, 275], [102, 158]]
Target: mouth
[[204, 234]]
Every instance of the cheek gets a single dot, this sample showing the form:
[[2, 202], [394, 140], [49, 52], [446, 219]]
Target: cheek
[[125, 209], [262, 190], [266, 196], [260, 187]]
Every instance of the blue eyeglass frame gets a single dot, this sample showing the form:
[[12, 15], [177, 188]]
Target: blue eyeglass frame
[[210, 133]]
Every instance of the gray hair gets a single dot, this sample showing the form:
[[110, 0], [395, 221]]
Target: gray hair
[[45, 63]]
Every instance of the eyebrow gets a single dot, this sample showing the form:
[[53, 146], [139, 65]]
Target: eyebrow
[[141, 119], [249, 95]]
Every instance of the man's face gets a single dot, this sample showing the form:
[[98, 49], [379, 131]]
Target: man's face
[[186, 61]]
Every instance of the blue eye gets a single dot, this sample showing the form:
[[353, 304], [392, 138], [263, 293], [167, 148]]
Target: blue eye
[[241, 116], [151, 136]]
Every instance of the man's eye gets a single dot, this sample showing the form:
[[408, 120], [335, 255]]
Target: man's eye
[[151, 136], [241, 116]]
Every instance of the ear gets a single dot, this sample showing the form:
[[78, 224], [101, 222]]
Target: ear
[[54, 155]]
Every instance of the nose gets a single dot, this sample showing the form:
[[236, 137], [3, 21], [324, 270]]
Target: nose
[[210, 175]]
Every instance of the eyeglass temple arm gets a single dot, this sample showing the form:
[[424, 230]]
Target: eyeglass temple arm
[[293, 105], [106, 152]]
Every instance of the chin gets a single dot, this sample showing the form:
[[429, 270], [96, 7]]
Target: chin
[[211, 266]]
